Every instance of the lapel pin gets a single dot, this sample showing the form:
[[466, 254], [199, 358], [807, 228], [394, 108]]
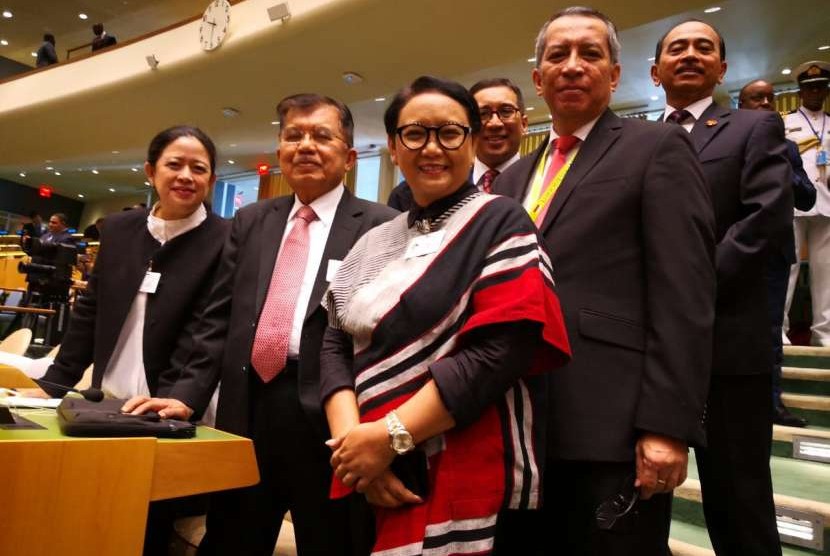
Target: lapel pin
[[711, 123]]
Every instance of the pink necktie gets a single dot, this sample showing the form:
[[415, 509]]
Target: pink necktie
[[270, 350], [562, 146], [486, 181]]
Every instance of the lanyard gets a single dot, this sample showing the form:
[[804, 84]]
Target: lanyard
[[536, 209], [823, 123]]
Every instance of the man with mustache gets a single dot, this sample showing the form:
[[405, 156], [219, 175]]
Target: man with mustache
[[262, 334], [503, 123], [743, 155], [625, 214]]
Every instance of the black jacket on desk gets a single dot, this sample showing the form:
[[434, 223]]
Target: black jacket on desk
[[743, 156], [186, 264], [226, 335]]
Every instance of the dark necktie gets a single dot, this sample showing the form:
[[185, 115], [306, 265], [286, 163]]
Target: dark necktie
[[486, 181], [679, 117], [270, 350]]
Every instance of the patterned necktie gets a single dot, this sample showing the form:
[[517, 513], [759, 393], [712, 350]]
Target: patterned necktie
[[562, 146], [679, 117], [486, 181], [270, 350]]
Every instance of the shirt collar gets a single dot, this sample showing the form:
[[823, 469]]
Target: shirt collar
[[812, 113], [479, 168], [165, 230], [437, 208], [696, 109], [581, 133], [324, 206]]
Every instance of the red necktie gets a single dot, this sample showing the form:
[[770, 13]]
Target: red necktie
[[270, 350], [562, 146], [486, 181]]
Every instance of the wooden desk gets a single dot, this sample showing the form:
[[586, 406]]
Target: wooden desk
[[81, 496]]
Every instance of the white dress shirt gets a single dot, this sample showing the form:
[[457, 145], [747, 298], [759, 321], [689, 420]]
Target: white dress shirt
[[324, 206], [696, 109], [480, 168], [125, 376]]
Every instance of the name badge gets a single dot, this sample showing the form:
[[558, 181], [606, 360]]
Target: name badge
[[821, 158], [150, 283], [332, 269], [424, 245]]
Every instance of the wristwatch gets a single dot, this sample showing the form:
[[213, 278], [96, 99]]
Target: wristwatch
[[399, 438]]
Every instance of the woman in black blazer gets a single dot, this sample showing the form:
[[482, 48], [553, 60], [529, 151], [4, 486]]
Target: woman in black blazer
[[151, 279]]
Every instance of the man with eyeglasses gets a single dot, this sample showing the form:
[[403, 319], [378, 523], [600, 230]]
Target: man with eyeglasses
[[626, 218], [262, 335], [503, 123], [759, 95]]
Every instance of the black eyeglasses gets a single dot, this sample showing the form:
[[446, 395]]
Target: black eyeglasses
[[610, 511], [505, 112], [449, 136]]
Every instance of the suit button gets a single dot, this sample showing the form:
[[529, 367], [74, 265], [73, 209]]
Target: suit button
[[253, 324], [244, 368]]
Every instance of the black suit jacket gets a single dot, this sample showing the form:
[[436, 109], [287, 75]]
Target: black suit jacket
[[186, 264], [631, 238], [227, 332], [103, 42], [804, 198], [743, 155]]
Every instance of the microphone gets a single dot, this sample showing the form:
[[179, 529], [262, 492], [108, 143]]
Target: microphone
[[90, 394]]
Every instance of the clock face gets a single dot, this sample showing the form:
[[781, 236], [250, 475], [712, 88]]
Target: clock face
[[214, 24]]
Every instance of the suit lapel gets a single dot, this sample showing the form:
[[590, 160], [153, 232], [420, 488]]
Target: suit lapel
[[344, 227], [605, 132], [271, 231], [714, 119]]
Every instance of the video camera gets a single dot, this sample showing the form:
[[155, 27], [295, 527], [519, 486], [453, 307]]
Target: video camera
[[50, 270]]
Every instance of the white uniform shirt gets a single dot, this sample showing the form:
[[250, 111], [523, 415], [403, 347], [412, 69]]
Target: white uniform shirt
[[325, 207], [798, 130]]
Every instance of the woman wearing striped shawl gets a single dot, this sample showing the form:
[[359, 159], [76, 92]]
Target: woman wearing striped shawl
[[442, 322]]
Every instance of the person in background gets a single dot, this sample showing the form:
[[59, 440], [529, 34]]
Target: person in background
[[93, 231], [102, 38], [46, 54], [503, 123], [759, 95], [148, 288], [57, 230], [34, 228], [441, 322]]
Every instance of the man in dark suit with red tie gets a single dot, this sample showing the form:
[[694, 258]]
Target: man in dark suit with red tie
[[262, 333], [503, 123], [625, 214], [743, 155]]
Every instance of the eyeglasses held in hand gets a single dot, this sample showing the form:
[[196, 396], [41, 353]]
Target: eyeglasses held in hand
[[610, 511], [449, 136], [322, 136], [505, 112]]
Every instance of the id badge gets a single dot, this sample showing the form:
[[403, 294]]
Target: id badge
[[424, 245], [150, 283], [821, 158]]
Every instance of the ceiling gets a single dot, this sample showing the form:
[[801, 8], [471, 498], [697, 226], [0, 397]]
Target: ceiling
[[388, 43]]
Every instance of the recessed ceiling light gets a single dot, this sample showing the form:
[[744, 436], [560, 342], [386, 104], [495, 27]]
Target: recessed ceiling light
[[49, 168], [822, 47], [47, 161], [529, 108], [81, 195], [147, 183], [116, 152], [34, 54], [786, 71], [232, 145], [712, 10], [275, 122], [22, 174], [95, 172], [134, 169], [57, 173], [380, 99], [532, 59], [352, 78], [7, 14], [82, 15], [651, 59], [4, 42], [112, 190], [655, 97], [231, 162]]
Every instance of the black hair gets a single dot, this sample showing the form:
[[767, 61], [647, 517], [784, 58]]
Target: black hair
[[62, 217], [33, 214], [49, 37], [311, 101], [721, 43], [500, 82], [98, 28], [164, 138], [429, 84]]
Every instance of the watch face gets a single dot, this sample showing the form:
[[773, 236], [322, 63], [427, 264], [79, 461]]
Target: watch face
[[214, 24], [402, 442]]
